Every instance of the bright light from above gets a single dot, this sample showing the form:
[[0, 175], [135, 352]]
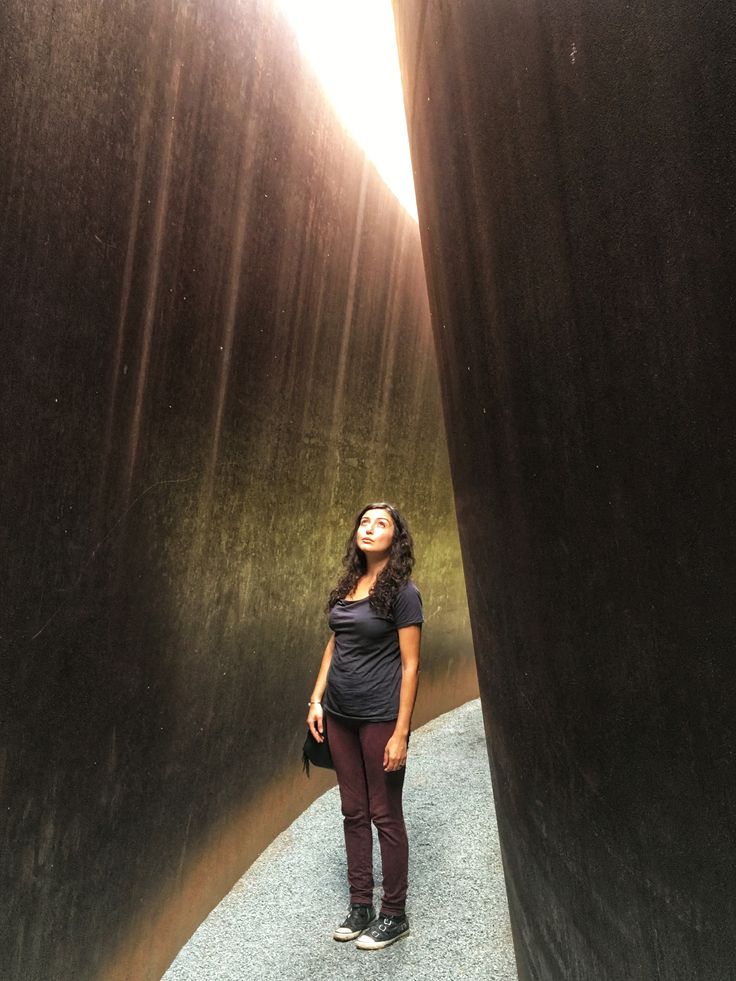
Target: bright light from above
[[351, 45]]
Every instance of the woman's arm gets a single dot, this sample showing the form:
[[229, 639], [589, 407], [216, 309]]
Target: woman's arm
[[315, 714], [394, 756]]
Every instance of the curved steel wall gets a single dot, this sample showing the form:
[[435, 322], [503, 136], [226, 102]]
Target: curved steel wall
[[575, 169], [216, 347]]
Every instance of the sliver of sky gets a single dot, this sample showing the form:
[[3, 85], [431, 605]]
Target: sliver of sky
[[351, 46]]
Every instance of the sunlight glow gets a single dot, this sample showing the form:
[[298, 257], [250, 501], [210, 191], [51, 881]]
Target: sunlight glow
[[351, 46]]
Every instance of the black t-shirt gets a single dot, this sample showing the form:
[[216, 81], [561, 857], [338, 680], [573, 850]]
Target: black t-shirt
[[364, 680]]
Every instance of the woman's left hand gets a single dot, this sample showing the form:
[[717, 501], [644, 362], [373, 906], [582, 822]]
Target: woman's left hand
[[394, 755]]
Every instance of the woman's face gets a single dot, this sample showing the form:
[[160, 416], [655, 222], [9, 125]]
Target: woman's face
[[375, 532]]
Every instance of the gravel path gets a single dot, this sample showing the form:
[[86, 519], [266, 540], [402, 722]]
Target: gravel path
[[276, 924]]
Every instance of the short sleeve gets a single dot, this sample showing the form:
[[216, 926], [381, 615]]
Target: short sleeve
[[407, 608]]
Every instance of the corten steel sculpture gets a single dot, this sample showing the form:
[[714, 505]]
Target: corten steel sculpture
[[215, 345], [576, 187]]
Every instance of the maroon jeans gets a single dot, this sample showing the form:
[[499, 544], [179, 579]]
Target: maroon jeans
[[368, 794]]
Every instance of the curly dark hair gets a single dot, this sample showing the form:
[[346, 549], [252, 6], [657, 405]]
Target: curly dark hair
[[396, 572]]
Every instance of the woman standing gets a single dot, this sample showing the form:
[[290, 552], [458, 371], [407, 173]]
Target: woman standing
[[366, 687]]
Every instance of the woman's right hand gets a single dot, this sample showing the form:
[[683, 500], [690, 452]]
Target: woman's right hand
[[315, 721]]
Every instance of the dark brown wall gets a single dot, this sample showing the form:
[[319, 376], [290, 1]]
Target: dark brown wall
[[576, 187], [215, 348]]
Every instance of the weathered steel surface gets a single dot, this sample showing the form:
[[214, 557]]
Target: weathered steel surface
[[576, 188], [215, 348]]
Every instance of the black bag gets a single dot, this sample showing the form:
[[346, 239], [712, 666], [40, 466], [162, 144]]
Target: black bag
[[318, 754]]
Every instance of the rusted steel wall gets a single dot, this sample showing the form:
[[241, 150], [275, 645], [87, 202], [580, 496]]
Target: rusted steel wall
[[576, 187], [215, 348]]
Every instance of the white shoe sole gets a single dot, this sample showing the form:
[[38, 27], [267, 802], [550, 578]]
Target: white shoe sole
[[345, 935], [368, 943]]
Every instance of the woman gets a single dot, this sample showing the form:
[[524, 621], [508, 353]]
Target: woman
[[366, 688]]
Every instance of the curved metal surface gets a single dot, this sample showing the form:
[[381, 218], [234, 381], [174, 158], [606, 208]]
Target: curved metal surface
[[216, 346], [575, 185]]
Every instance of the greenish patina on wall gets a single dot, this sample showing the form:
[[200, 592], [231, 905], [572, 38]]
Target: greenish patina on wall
[[217, 348]]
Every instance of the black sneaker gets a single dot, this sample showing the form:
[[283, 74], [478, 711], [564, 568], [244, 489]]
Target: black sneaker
[[358, 918], [386, 930]]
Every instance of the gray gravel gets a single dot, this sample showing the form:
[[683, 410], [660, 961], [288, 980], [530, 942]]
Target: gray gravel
[[277, 922]]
